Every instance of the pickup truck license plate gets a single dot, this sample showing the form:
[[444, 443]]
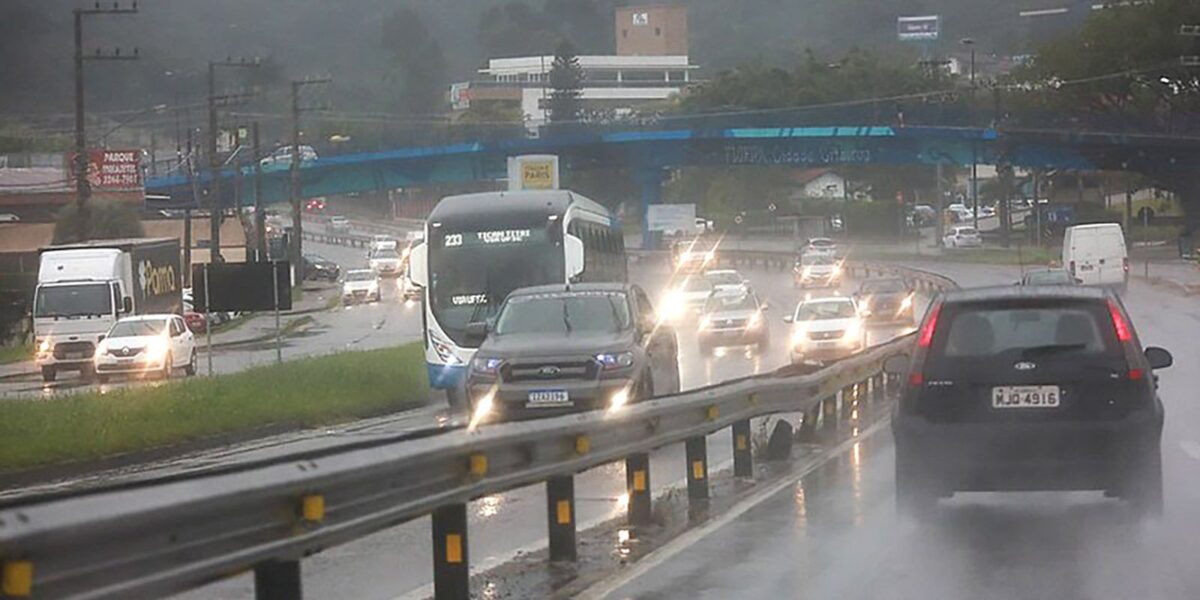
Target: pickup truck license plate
[[548, 398], [1026, 396]]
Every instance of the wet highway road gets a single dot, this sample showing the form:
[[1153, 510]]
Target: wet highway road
[[397, 562], [835, 533]]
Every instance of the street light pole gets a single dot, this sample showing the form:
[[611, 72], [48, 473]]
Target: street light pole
[[214, 162], [295, 247], [970, 43]]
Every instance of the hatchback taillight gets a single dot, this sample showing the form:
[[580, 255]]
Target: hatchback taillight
[[1071, 267], [1125, 264]]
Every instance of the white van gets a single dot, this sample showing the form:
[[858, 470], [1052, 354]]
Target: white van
[[1095, 255]]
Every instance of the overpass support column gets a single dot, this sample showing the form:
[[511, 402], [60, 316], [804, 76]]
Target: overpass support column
[[650, 180]]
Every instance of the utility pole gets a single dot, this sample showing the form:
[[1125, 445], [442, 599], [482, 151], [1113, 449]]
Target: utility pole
[[214, 160], [260, 216], [187, 212], [295, 245], [83, 189], [970, 43]]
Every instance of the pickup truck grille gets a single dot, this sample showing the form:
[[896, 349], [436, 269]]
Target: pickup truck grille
[[74, 350], [549, 371], [826, 335]]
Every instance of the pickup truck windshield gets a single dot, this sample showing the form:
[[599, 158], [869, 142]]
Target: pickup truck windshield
[[563, 313], [84, 299]]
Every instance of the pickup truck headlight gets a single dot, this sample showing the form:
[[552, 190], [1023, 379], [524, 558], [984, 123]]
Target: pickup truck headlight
[[488, 366], [611, 361]]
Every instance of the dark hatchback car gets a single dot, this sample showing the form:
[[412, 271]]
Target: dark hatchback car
[[318, 267], [1028, 388], [1048, 277], [886, 299], [556, 349]]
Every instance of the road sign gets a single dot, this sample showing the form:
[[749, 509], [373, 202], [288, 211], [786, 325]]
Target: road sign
[[918, 29], [671, 217]]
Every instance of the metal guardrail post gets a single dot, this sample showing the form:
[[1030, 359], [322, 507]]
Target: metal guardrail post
[[637, 486], [451, 571], [808, 427], [743, 458], [829, 413], [696, 450], [560, 512], [277, 580]]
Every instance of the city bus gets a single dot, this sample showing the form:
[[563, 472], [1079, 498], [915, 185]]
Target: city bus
[[480, 247]]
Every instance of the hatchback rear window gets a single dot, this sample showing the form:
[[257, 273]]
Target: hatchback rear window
[[1026, 331]]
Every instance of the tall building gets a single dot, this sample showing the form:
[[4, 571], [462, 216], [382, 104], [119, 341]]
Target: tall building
[[652, 30], [650, 65]]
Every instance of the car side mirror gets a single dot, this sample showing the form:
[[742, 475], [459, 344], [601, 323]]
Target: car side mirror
[[127, 304], [896, 365], [477, 330], [1158, 358], [101, 337], [787, 318]]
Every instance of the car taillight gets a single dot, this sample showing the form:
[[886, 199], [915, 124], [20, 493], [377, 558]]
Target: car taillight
[[925, 339], [1125, 264], [1071, 268], [1120, 325]]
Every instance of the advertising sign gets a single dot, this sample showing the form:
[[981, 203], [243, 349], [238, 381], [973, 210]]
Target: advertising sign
[[460, 95], [918, 29], [671, 217], [533, 172], [112, 170]]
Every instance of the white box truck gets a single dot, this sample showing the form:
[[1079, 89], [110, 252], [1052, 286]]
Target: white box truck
[[84, 288]]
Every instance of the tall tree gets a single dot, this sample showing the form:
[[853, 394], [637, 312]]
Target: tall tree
[[418, 65], [566, 82]]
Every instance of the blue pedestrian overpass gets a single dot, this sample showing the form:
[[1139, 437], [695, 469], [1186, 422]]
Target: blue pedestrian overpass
[[647, 153]]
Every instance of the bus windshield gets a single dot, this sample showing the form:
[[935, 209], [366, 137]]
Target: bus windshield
[[86, 299], [471, 272]]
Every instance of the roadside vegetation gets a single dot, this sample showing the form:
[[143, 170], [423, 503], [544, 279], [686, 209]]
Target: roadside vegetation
[[302, 393], [12, 354]]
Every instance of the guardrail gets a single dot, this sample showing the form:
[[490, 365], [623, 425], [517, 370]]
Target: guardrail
[[337, 239], [158, 538]]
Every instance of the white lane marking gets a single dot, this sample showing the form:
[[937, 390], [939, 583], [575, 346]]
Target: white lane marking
[[426, 591], [1191, 448], [607, 587]]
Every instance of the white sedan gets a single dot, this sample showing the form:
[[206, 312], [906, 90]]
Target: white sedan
[[146, 345], [825, 329]]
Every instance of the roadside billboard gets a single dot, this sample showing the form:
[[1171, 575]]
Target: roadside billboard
[[112, 170], [671, 217], [918, 29], [533, 172]]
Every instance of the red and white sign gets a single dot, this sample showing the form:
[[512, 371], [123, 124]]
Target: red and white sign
[[112, 170]]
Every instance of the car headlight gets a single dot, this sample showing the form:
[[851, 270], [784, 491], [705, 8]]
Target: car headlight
[[755, 320], [906, 303], [853, 331], [799, 334], [611, 361], [687, 255], [156, 350], [836, 272], [487, 366], [44, 346], [672, 306], [705, 322], [806, 272], [102, 347]]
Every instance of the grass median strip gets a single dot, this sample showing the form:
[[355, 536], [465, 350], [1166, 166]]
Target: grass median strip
[[12, 354], [301, 393]]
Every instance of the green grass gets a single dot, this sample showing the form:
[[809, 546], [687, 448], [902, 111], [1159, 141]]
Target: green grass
[[12, 354], [301, 393]]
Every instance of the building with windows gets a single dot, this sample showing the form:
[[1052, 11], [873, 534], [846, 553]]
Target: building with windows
[[651, 65]]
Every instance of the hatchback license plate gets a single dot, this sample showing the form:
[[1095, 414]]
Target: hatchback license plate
[[1026, 396], [546, 398]]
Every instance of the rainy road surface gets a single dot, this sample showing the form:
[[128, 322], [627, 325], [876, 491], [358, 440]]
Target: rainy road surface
[[397, 563], [836, 534]]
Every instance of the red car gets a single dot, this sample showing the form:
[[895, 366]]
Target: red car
[[195, 322]]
